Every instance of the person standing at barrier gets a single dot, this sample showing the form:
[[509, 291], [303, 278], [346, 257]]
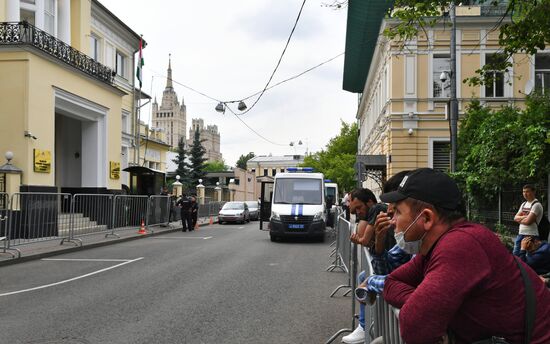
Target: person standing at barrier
[[164, 204], [381, 228], [345, 204], [462, 283], [529, 214], [185, 208], [365, 206], [194, 212]]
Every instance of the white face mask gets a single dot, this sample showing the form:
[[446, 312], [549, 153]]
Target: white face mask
[[411, 247]]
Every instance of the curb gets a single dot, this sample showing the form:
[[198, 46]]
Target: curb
[[38, 256]]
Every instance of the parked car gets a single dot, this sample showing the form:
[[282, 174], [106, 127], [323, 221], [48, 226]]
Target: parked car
[[234, 212], [253, 209]]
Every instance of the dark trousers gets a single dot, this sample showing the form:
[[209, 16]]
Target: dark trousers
[[186, 221], [194, 216]]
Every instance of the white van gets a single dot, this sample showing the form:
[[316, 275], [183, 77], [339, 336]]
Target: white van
[[298, 205]]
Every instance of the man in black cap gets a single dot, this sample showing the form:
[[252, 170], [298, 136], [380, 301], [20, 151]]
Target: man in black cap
[[462, 281]]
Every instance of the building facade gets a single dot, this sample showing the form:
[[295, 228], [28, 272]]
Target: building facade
[[170, 116], [268, 166], [210, 139], [403, 111], [67, 93]]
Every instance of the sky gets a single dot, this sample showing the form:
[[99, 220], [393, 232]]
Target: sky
[[228, 50]]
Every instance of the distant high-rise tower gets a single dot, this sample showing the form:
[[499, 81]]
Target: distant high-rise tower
[[171, 117], [210, 138]]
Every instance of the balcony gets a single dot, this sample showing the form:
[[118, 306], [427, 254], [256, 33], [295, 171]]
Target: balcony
[[23, 33]]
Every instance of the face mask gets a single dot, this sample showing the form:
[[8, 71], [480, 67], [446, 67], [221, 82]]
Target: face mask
[[411, 247]]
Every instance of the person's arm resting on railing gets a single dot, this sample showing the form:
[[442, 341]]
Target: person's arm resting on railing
[[431, 290]]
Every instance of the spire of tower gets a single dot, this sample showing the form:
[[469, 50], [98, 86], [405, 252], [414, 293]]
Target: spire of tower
[[169, 78]]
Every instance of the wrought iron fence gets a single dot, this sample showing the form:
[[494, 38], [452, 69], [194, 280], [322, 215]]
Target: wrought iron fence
[[24, 33]]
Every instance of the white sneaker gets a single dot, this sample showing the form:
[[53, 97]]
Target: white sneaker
[[356, 337]]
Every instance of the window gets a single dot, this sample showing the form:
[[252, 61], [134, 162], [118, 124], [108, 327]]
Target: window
[[441, 63], [28, 16], [94, 47], [282, 170], [125, 123], [265, 171], [542, 72], [49, 17], [441, 155], [120, 64], [253, 170], [495, 87], [273, 172]]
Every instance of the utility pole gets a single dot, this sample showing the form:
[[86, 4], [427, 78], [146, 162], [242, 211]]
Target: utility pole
[[453, 116]]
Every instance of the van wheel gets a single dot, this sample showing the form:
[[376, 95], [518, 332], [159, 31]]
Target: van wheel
[[272, 237]]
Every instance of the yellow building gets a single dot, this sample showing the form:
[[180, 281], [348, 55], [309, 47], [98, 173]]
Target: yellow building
[[402, 113], [67, 86]]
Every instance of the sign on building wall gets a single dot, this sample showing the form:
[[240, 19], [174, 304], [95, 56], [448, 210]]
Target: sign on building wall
[[114, 168], [42, 161]]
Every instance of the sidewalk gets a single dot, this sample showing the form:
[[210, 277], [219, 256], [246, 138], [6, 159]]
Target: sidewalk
[[43, 249]]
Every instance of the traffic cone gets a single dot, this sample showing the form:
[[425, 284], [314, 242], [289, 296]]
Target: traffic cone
[[142, 228], [211, 220]]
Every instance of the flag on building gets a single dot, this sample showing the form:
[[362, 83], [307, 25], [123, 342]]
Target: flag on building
[[140, 63]]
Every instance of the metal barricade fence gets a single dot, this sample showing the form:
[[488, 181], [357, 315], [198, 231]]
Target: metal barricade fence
[[384, 319], [37, 217], [91, 214], [342, 257], [159, 210], [129, 211], [348, 255], [4, 211]]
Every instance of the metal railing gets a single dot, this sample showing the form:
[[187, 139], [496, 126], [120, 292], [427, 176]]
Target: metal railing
[[342, 256], [38, 217], [158, 212], [347, 251], [23, 33], [384, 319], [91, 214], [130, 211]]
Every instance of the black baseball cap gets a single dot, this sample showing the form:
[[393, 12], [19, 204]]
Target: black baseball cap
[[427, 185]]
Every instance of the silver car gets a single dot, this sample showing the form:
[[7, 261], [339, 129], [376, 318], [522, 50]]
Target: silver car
[[234, 212], [253, 209]]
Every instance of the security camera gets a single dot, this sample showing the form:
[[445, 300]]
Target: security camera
[[443, 76], [29, 134]]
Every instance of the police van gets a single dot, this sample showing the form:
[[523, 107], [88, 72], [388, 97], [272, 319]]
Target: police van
[[298, 204]]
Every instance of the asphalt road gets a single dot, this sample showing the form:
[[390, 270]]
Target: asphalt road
[[220, 284]]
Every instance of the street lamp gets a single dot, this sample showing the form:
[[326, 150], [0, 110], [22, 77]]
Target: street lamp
[[242, 106], [220, 107]]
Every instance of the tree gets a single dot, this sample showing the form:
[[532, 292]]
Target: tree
[[337, 160], [241, 163], [215, 166], [525, 28], [183, 166], [505, 147], [196, 156]]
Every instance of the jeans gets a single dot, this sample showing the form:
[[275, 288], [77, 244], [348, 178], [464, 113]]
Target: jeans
[[360, 279]]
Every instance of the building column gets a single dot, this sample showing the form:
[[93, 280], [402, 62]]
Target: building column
[[13, 13], [64, 20]]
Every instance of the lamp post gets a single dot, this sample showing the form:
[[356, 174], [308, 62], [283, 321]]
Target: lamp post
[[177, 186]]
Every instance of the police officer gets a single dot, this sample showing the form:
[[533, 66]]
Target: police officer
[[185, 208]]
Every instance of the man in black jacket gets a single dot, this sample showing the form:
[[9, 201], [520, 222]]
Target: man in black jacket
[[185, 208]]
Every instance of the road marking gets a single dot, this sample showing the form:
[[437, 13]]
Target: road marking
[[70, 279], [86, 260], [241, 227], [175, 238]]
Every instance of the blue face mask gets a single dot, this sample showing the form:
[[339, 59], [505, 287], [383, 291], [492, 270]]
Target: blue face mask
[[411, 247]]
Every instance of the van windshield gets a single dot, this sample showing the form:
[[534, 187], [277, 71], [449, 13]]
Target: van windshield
[[298, 191]]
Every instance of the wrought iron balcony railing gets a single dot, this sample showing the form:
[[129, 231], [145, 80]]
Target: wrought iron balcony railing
[[23, 33]]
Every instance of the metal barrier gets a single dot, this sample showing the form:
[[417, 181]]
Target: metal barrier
[[347, 251], [342, 257], [129, 211], [91, 214], [158, 212], [4, 232], [384, 319], [38, 217]]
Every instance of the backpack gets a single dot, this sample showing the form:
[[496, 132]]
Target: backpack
[[543, 226]]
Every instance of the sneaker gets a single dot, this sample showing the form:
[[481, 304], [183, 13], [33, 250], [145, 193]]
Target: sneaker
[[356, 337]]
